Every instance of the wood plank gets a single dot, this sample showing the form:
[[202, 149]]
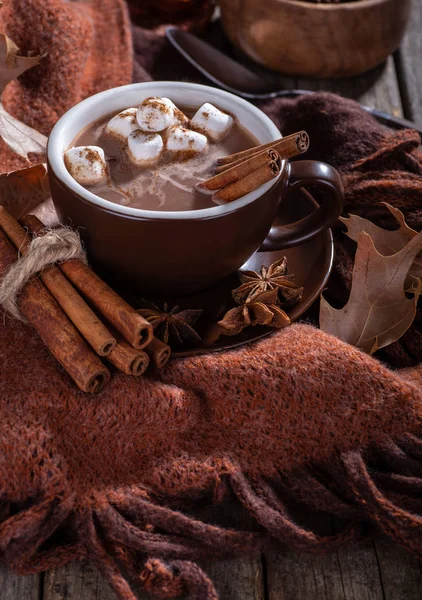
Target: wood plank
[[378, 88], [75, 581], [235, 579], [408, 61], [360, 573], [379, 570], [16, 587], [401, 572], [238, 578], [351, 573]]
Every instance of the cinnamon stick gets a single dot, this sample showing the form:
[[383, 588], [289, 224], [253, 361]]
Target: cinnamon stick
[[240, 170], [239, 161], [67, 297], [133, 327], [159, 352], [127, 359], [287, 147], [54, 328], [247, 184]]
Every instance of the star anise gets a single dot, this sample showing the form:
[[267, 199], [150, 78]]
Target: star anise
[[173, 326], [262, 310], [269, 278]]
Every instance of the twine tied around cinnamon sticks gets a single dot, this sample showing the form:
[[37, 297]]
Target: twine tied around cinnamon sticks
[[54, 247], [76, 314]]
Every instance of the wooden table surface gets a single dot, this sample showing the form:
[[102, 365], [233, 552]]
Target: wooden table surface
[[376, 570]]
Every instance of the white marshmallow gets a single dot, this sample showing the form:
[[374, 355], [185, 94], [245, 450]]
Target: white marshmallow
[[122, 125], [144, 148], [179, 117], [180, 139], [154, 114], [86, 164], [212, 121]]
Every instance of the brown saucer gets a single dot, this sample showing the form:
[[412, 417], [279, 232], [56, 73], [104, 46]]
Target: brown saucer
[[311, 264]]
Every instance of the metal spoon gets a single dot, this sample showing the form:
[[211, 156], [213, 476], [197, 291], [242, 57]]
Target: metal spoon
[[230, 75]]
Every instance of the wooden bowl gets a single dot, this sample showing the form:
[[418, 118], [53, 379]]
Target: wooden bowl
[[317, 40]]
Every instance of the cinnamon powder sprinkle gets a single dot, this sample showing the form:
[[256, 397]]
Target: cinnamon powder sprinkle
[[91, 155], [158, 104]]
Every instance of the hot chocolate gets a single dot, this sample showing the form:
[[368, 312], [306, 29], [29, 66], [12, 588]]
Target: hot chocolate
[[153, 157]]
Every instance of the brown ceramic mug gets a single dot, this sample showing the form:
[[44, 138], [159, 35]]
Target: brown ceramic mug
[[181, 252]]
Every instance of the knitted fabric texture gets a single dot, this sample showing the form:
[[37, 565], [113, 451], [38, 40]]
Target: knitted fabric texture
[[87, 46], [139, 478]]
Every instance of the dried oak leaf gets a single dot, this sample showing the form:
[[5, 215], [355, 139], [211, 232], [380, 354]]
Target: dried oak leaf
[[385, 241], [23, 140], [172, 326], [262, 310], [269, 278], [23, 190], [378, 311], [13, 65]]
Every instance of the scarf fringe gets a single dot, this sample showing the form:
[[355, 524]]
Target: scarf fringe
[[136, 541]]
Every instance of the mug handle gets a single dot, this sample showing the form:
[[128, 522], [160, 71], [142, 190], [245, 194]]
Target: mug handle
[[301, 173]]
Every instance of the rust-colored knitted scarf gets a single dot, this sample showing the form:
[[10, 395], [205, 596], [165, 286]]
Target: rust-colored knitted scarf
[[87, 46], [138, 479]]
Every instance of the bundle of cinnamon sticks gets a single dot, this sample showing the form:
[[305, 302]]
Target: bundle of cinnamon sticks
[[78, 316], [239, 174]]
